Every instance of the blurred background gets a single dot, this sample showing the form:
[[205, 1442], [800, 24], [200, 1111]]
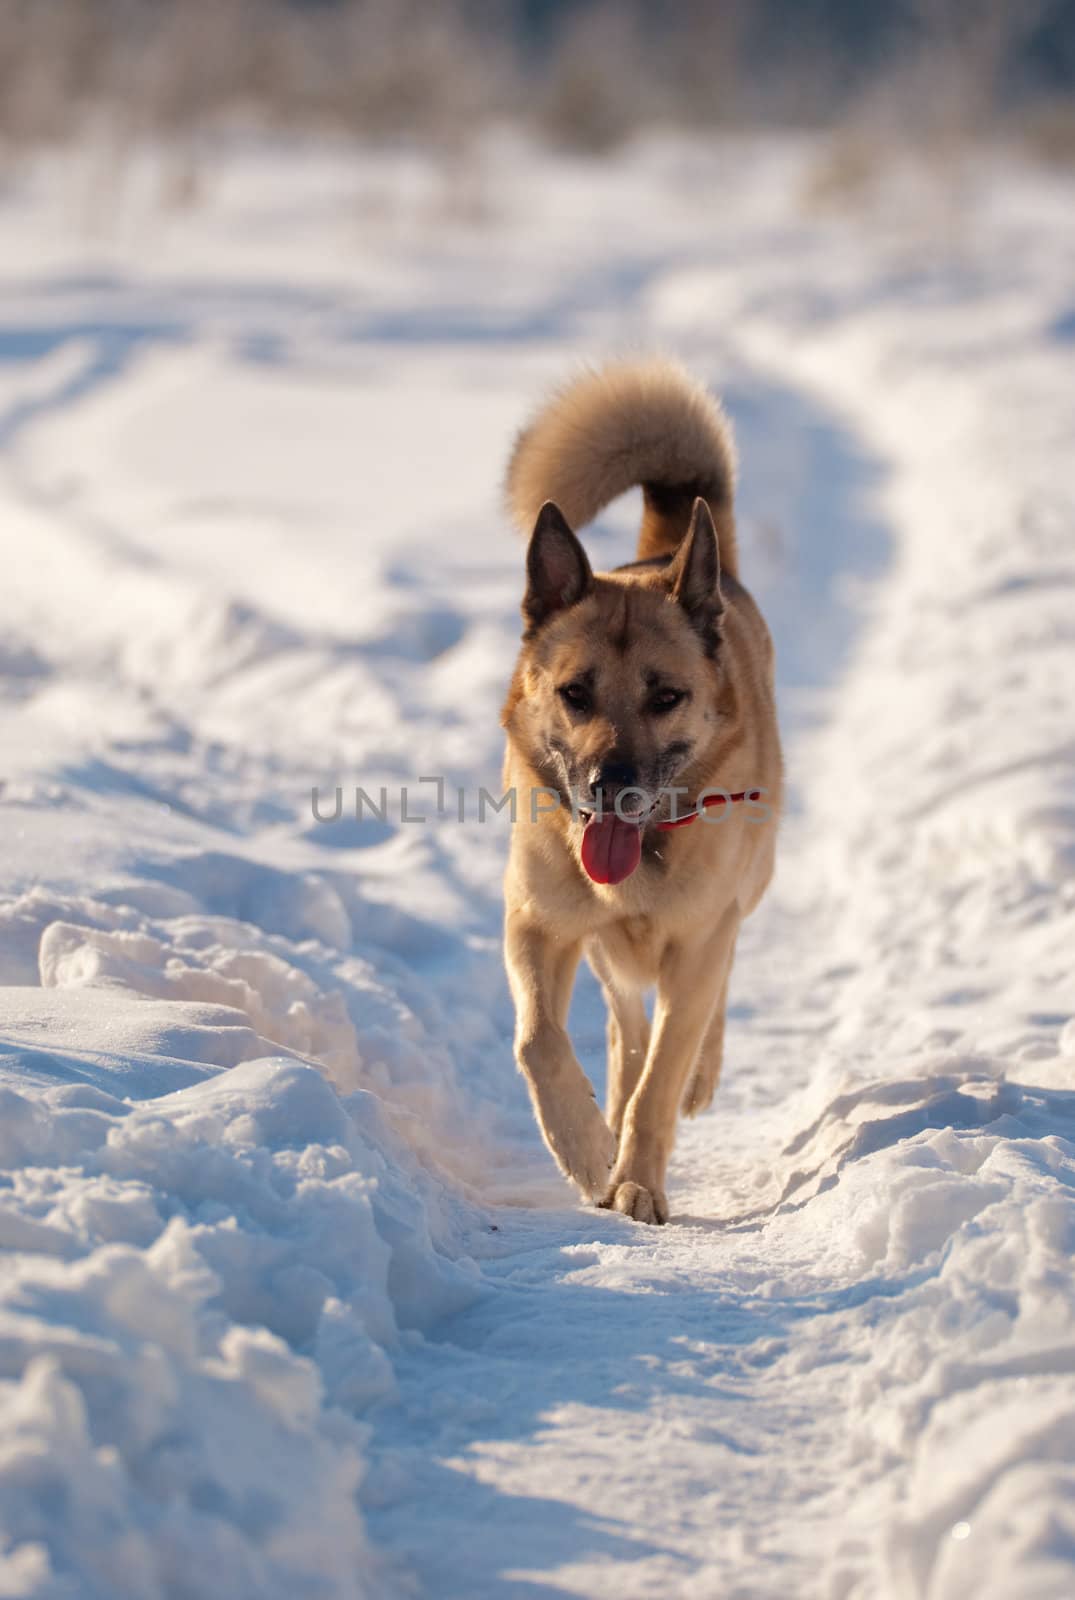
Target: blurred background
[[584, 75]]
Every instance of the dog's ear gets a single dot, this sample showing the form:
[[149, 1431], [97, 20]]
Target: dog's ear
[[694, 577], [558, 574]]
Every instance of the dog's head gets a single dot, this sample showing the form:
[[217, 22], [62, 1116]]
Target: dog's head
[[615, 689]]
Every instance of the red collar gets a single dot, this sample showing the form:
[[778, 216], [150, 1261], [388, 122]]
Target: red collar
[[719, 799]]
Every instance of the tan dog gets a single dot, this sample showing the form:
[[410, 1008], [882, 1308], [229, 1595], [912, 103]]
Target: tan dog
[[653, 677]]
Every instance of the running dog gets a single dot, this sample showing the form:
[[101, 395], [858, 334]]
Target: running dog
[[643, 751]]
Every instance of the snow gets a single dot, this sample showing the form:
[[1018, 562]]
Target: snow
[[292, 1300]]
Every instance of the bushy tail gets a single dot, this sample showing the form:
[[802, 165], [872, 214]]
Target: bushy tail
[[642, 422]]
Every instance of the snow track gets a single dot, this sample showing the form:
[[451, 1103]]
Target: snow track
[[292, 1300]]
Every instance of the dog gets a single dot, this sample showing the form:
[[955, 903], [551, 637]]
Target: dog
[[643, 751]]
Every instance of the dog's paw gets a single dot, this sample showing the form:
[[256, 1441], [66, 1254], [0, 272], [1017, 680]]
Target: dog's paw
[[584, 1147], [632, 1200], [698, 1096], [702, 1084]]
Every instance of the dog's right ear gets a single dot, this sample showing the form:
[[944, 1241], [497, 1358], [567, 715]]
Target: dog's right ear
[[558, 574], [694, 577]]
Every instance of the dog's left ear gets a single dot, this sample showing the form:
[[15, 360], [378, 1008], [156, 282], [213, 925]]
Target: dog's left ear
[[558, 574], [694, 577]]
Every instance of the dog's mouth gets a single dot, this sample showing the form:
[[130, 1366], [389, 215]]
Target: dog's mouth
[[611, 843]]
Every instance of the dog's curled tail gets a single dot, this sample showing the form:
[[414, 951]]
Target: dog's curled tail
[[632, 422]]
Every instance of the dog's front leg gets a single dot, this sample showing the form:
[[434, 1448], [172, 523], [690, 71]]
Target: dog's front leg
[[541, 971], [628, 1037], [689, 983]]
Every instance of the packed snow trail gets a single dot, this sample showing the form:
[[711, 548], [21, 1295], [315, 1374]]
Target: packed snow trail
[[293, 1299]]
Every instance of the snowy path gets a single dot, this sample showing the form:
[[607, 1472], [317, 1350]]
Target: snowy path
[[278, 1219]]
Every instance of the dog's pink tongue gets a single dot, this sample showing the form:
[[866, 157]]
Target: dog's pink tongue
[[611, 849]]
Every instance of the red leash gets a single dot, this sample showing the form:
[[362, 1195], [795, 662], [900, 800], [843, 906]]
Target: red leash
[[711, 800]]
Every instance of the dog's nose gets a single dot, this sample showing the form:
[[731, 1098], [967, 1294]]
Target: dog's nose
[[610, 777]]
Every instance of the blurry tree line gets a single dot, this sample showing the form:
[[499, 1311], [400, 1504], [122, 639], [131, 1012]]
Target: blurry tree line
[[583, 73]]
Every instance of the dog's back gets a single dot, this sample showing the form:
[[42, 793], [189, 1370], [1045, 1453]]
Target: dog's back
[[633, 422]]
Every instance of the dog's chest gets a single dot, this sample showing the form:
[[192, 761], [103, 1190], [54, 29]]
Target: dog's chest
[[632, 949]]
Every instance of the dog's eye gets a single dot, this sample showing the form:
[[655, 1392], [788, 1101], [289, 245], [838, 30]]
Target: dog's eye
[[666, 700], [575, 695]]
